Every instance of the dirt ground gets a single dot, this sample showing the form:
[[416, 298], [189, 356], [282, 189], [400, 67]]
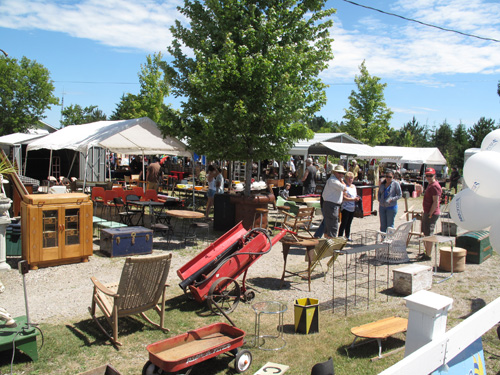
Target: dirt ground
[[62, 294]]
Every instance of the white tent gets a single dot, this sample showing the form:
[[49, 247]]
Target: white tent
[[360, 151], [137, 136], [412, 155], [16, 139], [302, 146]]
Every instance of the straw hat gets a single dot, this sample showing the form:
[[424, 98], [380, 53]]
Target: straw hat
[[339, 169]]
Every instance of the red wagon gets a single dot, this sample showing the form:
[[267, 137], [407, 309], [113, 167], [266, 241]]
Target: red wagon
[[177, 355], [211, 275]]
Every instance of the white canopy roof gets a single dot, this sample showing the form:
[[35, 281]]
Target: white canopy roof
[[413, 155], [20, 138], [361, 151], [302, 146], [136, 136]]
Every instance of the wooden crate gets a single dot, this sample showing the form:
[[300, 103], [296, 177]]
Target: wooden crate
[[413, 278]]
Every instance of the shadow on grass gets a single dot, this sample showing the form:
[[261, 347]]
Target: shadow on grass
[[366, 348], [270, 283], [89, 333]]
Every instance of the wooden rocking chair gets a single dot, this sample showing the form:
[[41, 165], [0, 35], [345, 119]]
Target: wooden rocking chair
[[141, 286]]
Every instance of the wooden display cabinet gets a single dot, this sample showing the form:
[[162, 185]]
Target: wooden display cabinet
[[56, 229]]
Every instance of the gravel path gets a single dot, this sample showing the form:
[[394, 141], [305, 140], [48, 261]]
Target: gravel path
[[62, 294]]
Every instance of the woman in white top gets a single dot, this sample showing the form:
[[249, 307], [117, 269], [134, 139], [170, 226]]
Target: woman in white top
[[348, 205], [211, 175]]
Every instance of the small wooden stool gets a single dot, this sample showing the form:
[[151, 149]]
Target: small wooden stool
[[380, 330], [309, 244], [459, 256]]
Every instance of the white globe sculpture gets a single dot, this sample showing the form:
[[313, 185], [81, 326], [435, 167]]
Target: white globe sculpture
[[482, 173], [471, 211], [492, 141]]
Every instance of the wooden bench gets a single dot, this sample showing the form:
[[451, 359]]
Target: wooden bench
[[380, 330]]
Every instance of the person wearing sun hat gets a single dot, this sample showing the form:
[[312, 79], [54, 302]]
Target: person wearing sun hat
[[333, 194], [431, 213]]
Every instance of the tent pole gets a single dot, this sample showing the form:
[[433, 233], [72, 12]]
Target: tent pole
[[143, 173], [85, 171], [194, 199], [71, 166], [50, 164]]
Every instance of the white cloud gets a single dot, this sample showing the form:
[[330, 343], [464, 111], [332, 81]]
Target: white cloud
[[394, 49], [142, 25]]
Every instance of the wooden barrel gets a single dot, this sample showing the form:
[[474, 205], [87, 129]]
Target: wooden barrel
[[459, 255]]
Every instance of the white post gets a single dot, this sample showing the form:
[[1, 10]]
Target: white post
[[427, 318]]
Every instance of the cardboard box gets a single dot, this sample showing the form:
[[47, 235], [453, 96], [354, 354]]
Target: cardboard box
[[413, 278]]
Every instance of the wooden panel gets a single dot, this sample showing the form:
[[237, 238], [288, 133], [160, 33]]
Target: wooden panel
[[381, 329]]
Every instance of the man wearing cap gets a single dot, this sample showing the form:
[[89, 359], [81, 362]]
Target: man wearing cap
[[332, 199], [309, 178], [354, 168], [431, 213]]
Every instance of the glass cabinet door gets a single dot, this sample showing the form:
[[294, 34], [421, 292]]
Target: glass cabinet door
[[50, 226], [72, 226]]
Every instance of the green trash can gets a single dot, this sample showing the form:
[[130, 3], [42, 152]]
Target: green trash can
[[306, 312], [13, 243]]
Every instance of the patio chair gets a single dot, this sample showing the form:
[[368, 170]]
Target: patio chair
[[127, 215], [327, 248], [300, 221], [111, 201], [397, 239], [142, 285]]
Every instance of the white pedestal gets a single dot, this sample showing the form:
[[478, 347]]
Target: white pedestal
[[4, 222], [427, 318]]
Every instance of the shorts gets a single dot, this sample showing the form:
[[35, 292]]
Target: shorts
[[211, 193], [428, 225]]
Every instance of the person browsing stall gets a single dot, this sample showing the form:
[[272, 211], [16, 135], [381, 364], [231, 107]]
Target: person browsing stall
[[333, 194], [388, 194], [432, 197], [348, 205], [211, 178], [309, 178]]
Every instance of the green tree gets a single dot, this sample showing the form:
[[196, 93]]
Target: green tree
[[479, 130], [367, 117], [75, 114], [150, 102], [443, 139], [460, 144], [26, 92], [252, 85]]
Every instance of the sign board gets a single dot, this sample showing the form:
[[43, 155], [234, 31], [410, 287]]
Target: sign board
[[271, 368], [469, 361]]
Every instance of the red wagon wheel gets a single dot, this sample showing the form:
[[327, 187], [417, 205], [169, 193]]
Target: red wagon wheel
[[224, 294]]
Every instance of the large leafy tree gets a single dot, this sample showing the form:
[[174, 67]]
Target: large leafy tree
[[150, 102], [367, 117], [479, 130], [26, 91], [251, 84], [443, 139], [75, 114]]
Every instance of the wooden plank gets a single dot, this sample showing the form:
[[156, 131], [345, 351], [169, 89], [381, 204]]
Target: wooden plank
[[184, 350], [381, 329]]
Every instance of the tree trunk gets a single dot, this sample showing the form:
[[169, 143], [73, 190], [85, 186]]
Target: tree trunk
[[248, 177]]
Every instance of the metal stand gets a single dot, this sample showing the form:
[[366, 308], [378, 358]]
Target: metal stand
[[436, 240], [269, 308]]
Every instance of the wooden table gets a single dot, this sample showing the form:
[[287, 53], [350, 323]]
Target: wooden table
[[300, 199], [380, 330], [309, 244], [185, 215]]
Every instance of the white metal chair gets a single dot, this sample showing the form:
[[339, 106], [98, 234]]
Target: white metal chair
[[397, 240]]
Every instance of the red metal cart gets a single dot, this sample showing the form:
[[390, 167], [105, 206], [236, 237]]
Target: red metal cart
[[211, 275], [177, 355]]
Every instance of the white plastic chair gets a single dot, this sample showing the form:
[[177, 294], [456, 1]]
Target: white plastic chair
[[397, 240]]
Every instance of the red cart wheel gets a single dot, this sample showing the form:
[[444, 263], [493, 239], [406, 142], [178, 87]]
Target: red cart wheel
[[224, 294], [243, 361]]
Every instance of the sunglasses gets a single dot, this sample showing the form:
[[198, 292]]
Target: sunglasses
[[388, 176], [429, 175]]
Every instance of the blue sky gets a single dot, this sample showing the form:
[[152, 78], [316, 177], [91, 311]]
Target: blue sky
[[94, 50]]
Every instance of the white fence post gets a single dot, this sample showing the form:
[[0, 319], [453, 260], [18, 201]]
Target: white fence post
[[427, 318]]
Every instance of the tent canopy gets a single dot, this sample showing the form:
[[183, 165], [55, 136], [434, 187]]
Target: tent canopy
[[136, 136], [360, 151], [412, 155], [302, 146], [20, 138]]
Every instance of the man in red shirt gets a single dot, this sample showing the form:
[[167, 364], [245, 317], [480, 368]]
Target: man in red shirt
[[431, 213]]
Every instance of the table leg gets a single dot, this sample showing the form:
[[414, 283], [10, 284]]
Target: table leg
[[286, 250]]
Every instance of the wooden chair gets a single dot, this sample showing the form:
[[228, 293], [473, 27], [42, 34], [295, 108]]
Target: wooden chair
[[327, 248], [300, 221], [142, 285], [397, 240]]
